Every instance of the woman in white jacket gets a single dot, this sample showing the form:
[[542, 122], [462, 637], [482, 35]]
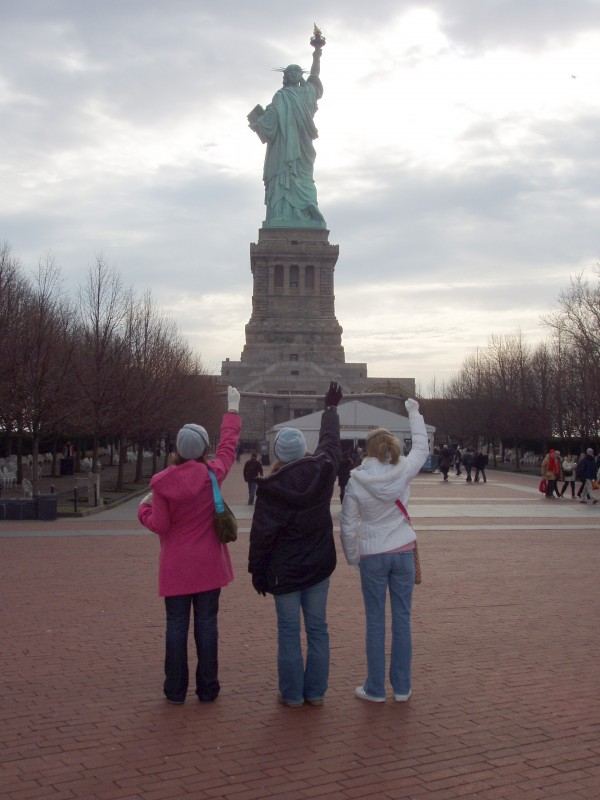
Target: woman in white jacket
[[377, 537]]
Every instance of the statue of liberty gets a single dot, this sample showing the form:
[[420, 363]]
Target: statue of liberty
[[288, 128]]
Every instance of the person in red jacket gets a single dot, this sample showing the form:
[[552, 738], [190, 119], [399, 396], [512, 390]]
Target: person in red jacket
[[193, 565]]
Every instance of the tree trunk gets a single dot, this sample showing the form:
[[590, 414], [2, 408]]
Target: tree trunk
[[122, 462], [35, 467], [154, 445], [95, 446], [139, 462], [54, 468], [19, 458]]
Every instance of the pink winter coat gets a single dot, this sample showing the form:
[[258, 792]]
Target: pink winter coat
[[192, 559]]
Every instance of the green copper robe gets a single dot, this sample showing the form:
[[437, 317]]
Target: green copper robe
[[288, 128]]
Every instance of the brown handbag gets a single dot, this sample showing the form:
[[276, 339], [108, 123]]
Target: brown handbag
[[224, 521], [418, 575]]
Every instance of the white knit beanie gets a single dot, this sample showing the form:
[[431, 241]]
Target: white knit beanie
[[289, 445], [192, 441]]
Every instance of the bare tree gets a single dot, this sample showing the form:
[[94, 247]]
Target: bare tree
[[103, 307], [575, 326], [14, 293], [46, 346]]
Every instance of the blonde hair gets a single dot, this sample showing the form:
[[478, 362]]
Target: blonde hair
[[277, 464], [383, 446]]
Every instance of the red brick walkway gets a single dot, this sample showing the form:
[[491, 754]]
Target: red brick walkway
[[506, 666]]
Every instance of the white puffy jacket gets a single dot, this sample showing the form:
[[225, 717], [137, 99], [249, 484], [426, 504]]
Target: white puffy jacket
[[370, 520]]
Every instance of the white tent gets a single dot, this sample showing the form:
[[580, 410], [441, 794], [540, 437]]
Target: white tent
[[356, 420]]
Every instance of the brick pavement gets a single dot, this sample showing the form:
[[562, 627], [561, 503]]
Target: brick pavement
[[506, 666]]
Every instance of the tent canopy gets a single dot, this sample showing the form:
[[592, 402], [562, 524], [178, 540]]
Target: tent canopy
[[357, 419]]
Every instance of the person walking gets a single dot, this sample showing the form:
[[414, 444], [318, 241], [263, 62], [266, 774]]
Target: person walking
[[445, 461], [252, 470], [468, 462], [559, 477], [579, 474], [193, 564], [550, 470], [480, 463], [588, 473], [292, 552], [378, 538], [457, 461], [569, 469]]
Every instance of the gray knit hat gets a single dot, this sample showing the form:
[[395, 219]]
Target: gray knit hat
[[192, 441], [290, 444]]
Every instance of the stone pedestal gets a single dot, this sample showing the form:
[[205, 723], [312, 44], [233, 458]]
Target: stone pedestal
[[293, 343]]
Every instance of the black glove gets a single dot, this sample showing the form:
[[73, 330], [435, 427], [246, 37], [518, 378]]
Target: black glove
[[334, 395], [260, 585]]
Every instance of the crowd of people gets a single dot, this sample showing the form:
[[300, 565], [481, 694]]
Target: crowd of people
[[584, 469], [292, 551], [457, 459]]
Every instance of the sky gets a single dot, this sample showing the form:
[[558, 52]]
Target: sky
[[458, 165]]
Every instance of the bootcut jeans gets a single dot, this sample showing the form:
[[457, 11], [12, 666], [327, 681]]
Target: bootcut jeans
[[393, 572], [297, 681], [206, 636]]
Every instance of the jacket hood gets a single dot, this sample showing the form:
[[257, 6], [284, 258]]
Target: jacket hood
[[181, 482], [301, 483], [380, 480]]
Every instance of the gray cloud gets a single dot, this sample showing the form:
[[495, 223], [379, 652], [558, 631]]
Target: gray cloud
[[499, 229]]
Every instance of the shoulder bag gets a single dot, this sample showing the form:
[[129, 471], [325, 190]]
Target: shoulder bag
[[224, 521], [418, 575]]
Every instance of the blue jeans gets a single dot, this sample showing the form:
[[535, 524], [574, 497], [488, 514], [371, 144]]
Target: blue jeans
[[206, 636], [297, 682], [251, 491], [378, 573]]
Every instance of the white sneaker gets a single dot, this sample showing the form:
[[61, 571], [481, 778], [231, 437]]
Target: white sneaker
[[402, 698], [362, 695]]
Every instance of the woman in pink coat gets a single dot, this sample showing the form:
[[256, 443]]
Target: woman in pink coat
[[193, 565]]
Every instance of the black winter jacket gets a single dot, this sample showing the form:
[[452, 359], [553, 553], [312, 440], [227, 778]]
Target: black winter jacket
[[291, 539]]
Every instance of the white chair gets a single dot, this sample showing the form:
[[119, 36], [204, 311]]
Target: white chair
[[27, 487], [8, 478]]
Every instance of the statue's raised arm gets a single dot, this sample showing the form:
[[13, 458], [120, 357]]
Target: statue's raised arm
[[288, 129]]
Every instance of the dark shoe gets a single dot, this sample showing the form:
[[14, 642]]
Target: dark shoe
[[318, 702], [175, 702]]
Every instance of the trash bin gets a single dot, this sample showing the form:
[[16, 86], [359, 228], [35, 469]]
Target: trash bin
[[265, 460], [20, 509], [46, 506]]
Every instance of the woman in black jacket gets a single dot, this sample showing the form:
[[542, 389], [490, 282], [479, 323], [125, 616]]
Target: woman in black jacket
[[292, 551]]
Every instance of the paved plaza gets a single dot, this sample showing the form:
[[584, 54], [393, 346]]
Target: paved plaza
[[506, 674]]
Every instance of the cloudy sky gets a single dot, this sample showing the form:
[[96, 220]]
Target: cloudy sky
[[458, 164]]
